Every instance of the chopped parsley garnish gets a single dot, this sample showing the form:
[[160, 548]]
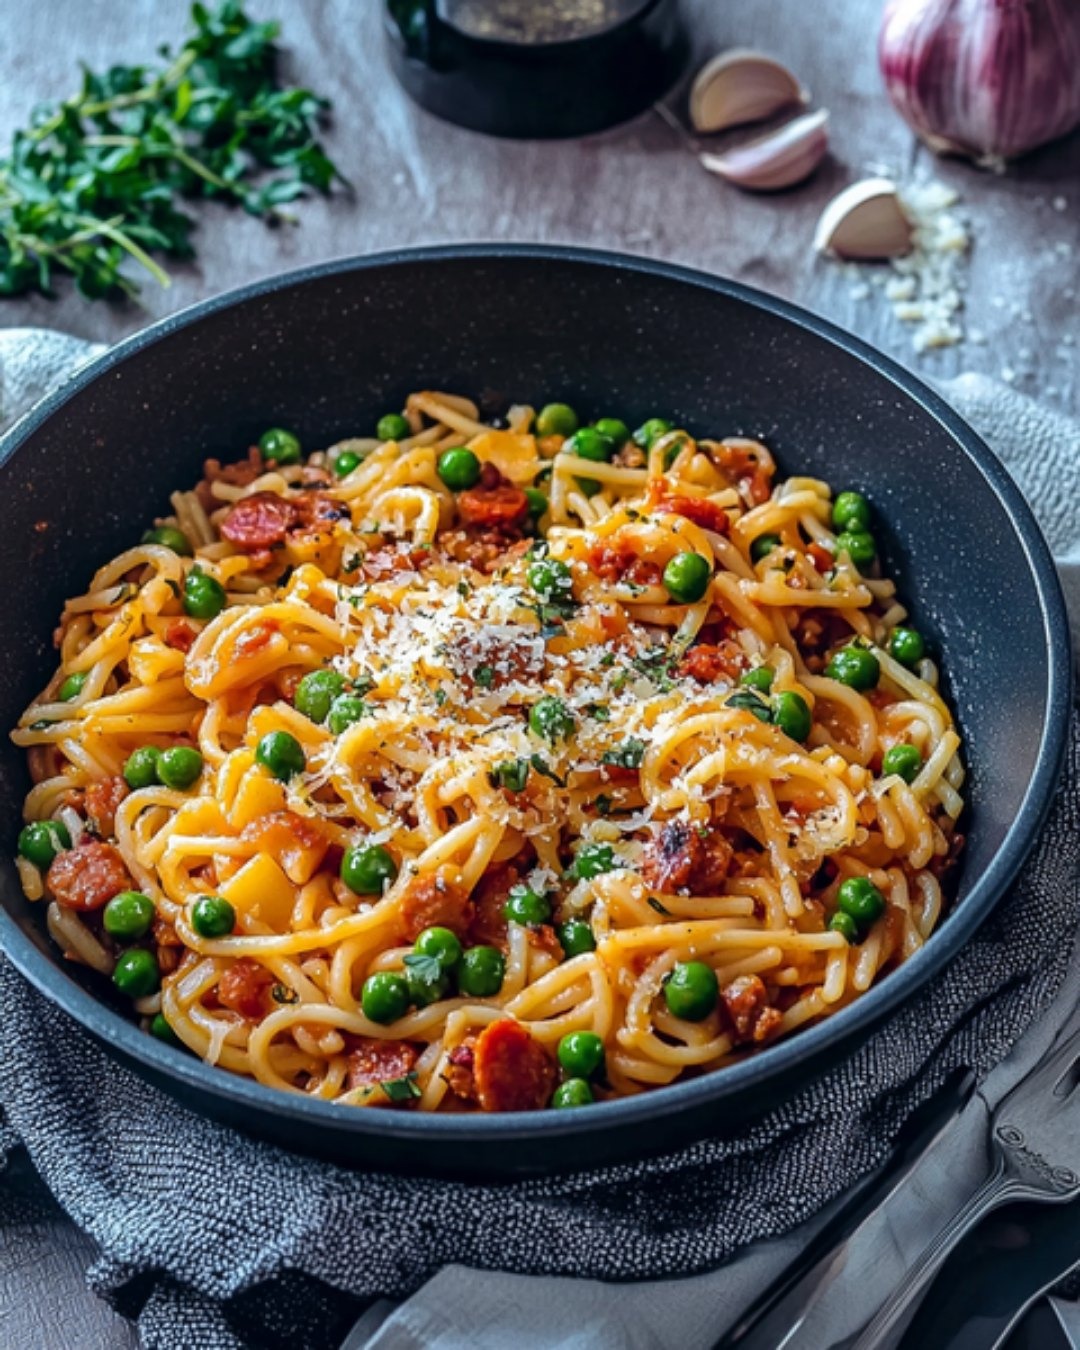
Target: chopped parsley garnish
[[628, 755], [600, 712], [660, 909], [281, 993], [352, 562], [42, 724], [747, 701], [403, 1089], [511, 774], [440, 696], [464, 589], [603, 804], [426, 968], [484, 677]]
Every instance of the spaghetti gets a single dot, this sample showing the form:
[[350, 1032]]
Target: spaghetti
[[436, 766]]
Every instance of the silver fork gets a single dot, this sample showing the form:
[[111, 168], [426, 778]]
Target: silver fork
[[1035, 1141]]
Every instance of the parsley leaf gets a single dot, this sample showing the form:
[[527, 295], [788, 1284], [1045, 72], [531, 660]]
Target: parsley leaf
[[511, 774], [628, 755], [541, 765], [403, 1089]]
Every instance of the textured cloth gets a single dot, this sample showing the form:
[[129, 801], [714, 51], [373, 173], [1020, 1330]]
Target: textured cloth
[[213, 1240]]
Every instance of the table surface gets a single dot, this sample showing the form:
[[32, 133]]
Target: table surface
[[639, 188]]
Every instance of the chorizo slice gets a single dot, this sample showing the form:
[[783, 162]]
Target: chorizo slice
[[746, 1001], [504, 508], [259, 522], [513, 1072], [87, 877], [698, 509]]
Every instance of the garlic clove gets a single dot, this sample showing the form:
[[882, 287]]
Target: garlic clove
[[866, 220], [741, 86], [777, 160]]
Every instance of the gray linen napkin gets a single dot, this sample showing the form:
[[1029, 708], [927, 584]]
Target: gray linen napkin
[[214, 1240]]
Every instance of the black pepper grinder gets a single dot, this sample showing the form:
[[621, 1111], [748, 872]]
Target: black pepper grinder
[[536, 68]]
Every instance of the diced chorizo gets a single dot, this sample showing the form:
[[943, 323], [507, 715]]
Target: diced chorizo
[[432, 901], [708, 662], [746, 1002], [822, 559], [393, 560], [241, 474], [316, 510], [544, 939], [749, 474], [261, 521], [683, 857], [245, 988], [698, 509], [372, 1060], [180, 635], [513, 1072], [101, 803], [459, 1075], [620, 563], [87, 877], [504, 508]]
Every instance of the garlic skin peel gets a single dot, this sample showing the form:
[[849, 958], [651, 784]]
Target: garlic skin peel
[[983, 78]]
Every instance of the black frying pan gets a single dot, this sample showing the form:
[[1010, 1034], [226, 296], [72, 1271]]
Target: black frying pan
[[326, 351]]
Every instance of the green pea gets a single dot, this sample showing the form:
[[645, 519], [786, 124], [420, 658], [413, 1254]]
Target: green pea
[[859, 897], [851, 511], [345, 711], [212, 916], [574, 1092], [279, 446], [525, 906], [557, 419], [128, 916], [791, 713], [576, 937], [538, 502], [691, 991], [763, 545], [907, 646], [581, 1054], [345, 463], [651, 431], [169, 537], [592, 860], [550, 579], [282, 754], [903, 760], [588, 443], [384, 997], [179, 767], [458, 468], [368, 869], [160, 1030], [136, 973], [441, 945], [480, 972], [72, 686], [42, 840], [141, 769], [316, 692], [856, 667], [760, 678], [551, 719], [844, 923], [614, 429], [687, 578], [426, 980], [858, 545], [204, 598], [393, 427]]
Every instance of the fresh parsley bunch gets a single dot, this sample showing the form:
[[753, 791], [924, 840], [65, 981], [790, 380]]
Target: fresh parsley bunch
[[99, 179]]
